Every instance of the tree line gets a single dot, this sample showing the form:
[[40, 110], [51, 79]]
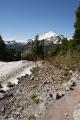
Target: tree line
[[8, 54]]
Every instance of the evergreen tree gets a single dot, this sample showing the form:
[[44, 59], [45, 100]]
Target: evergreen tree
[[77, 25], [2, 49], [35, 48], [41, 50]]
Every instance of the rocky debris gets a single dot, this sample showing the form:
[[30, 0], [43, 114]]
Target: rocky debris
[[48, 82], [58, 95], [8, 94], [71, 83], [69, 88]]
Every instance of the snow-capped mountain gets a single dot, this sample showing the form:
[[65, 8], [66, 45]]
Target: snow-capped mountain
[[52, 37], [47, 36], [15, 44]]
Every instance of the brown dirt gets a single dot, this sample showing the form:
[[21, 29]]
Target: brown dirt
[[63, 108]]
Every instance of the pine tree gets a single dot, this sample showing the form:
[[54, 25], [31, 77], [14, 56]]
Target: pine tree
[[2, 44], [77, 25], [2, 49], [35, 48]]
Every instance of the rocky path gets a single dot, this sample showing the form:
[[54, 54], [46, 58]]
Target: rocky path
[[64, 108], [43, 96]]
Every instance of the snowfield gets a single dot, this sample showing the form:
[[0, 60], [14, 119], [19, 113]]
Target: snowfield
[[10, 71]]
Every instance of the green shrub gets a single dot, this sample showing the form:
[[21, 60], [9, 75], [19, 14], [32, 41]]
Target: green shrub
[[18, 105], [32, 117], [33, 96], [35, 99]]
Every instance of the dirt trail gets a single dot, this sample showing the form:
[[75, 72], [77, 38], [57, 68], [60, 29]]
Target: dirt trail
[[63, 109]]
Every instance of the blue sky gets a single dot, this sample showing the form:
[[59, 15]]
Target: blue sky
[[23, 19]]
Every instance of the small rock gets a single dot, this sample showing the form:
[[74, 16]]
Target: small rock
[[2, 91], [5, 116], [18, 91], [1, 96], [56, 96], [71, 72], [51, 95], [45, 82], [17, 113], [56, 88], [61, 93], [71, 83], [32, 78], [66, 115], [69, 88], [33, 86], [19, 109], [11, 118], [9, 84], [2, 109], [1, 86], [26, 75], [8, 94], [37, 78]]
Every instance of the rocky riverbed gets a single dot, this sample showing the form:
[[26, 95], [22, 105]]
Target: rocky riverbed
[[32, 97]]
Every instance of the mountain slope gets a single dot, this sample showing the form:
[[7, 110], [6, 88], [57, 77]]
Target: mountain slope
[[52, 37], [47, 35]]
